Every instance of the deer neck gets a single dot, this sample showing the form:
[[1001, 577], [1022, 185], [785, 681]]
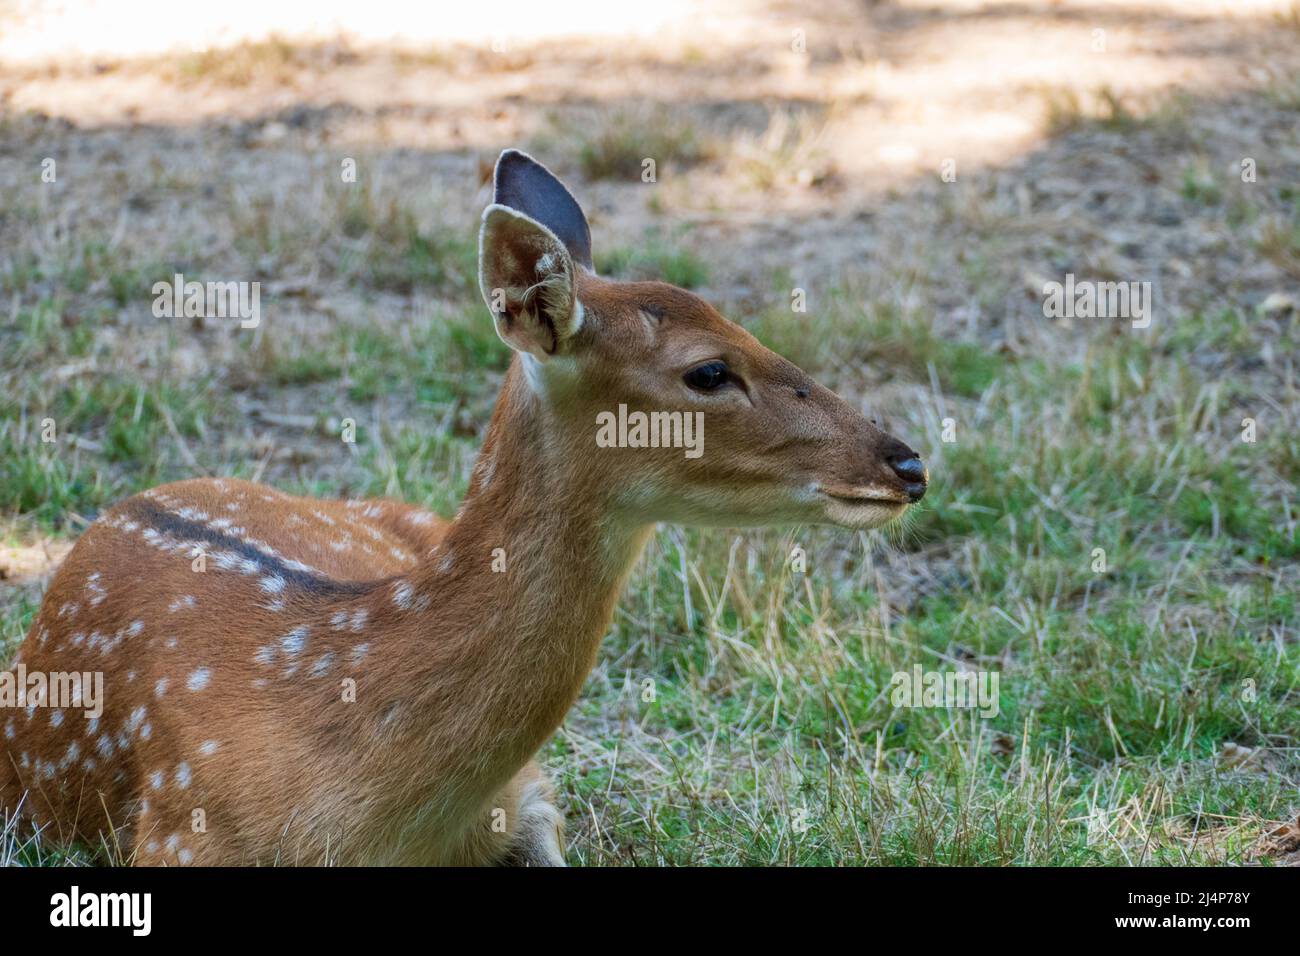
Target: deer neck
[[522, 589]]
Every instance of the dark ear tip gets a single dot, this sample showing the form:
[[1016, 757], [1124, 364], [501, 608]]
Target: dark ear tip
[[525, 185], [510, 156], [510, 162]]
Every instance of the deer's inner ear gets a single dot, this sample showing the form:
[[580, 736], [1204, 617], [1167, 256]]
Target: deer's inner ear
[[526, 276]]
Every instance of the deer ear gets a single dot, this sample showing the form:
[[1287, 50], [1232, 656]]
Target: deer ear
[[527, 278], [525, 185]]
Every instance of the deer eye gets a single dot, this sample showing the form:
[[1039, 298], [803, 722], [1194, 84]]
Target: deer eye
[[707, 377]]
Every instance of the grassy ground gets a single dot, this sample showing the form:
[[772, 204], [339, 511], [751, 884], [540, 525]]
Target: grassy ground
[[741, 711]]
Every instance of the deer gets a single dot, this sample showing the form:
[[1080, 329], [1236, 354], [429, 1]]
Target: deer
[[297, 681]]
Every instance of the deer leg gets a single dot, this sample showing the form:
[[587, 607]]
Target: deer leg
[[537, 833], [521, 826], [539, 841]]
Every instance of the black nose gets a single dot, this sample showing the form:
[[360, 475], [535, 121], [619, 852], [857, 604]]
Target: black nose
[[910, 468]]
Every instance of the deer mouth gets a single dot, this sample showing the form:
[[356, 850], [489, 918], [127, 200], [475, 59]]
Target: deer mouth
[[860, 508], [863, 496]]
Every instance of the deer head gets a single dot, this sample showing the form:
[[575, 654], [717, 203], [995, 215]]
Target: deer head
[[752, 439]]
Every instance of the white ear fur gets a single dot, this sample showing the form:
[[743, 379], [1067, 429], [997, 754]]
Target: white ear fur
[[527, 279]]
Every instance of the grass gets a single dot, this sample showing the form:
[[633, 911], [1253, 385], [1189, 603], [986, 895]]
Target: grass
[[397, 253], [654, 258], [269, 61], [1200, 185], [787, 152], [1066, 109], [617, 142]]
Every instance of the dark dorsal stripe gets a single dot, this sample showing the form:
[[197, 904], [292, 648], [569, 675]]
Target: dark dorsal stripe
[[152, 515]]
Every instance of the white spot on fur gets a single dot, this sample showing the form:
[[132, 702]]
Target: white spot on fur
[[136, 719], [208, 748], [95, 589], [402, 592], [160, 687], [294, 641], [156, 779], [183, 776], [199, 679]]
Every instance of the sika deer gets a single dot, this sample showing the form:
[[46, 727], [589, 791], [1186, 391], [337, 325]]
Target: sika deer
[[229, 734]]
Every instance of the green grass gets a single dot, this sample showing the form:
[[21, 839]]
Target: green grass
[[878, 336], [654, 259], [111, 433], [757, 714]]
